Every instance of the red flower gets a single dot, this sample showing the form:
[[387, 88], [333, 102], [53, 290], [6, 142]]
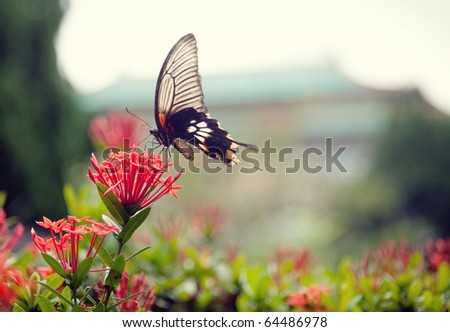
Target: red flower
[[65, 237], [136, 179], [308, 299], [116, 129], [7, 243], [438, 252], [144, 294], [9, 276], [390, 258], [7, 295]]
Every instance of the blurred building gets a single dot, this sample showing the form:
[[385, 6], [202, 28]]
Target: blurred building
[[296, 108]]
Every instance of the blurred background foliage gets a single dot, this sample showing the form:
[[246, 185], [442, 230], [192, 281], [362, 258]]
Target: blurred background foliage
[[397, 184], [42, 132], [413, 157]]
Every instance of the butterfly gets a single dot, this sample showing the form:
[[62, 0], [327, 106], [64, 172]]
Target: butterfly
[[181, 116]]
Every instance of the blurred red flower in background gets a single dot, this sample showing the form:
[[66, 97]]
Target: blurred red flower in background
[[7, 243], [170, 229], [208, 221], [8, 275], [300, 258], [116, 130], [438, 252]]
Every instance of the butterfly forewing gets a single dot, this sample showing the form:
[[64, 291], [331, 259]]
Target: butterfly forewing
[[179, 86]]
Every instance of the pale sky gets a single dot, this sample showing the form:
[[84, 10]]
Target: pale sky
[[379, 43]]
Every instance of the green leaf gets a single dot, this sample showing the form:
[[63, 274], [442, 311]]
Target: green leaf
[[77, 308], [81, 272], [54, 264], [34, 288], [18, 309], [2, 198], [437, 304], [54, 280], [132, 225], [24, 259], [204, 299], [137, 253], [58, 294], [45, 304], [354, 302], [443, 278], [110, 222], [427, 299], [66, 292], [70, 198], [113, 204], [415, 290], [114, 275], [100, 308], [86, 295]]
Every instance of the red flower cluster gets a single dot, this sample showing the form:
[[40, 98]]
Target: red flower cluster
[[308, 299], [8, 275], [170, 229], [392, 257], [116, 130], [65, 237], [145, 294], [136, 179], [301, 259]]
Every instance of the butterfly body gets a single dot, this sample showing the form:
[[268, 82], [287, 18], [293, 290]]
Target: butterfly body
[[181, 115]]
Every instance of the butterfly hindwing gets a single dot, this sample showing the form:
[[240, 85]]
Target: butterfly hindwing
[[205, 133], [184, 148]]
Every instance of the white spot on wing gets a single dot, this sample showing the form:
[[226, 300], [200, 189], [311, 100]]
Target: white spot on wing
[[202, 124], [204, 148], [206, 130], [234, 161], [193, 121], [203, 134], [191, 129], [201, 139]]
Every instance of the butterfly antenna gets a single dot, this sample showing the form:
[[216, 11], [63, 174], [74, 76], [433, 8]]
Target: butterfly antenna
[[137, 117]]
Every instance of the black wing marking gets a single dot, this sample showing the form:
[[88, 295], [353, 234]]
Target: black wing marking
[[204, 132], [179, 83]]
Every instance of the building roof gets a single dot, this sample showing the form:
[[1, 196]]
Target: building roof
[[266, 88]]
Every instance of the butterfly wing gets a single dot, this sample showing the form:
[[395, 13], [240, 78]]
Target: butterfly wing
[[180, 112], [199, 129], [179, 83]]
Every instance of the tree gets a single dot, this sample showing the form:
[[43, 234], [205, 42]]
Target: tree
[[40, 128], [414, 157]]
